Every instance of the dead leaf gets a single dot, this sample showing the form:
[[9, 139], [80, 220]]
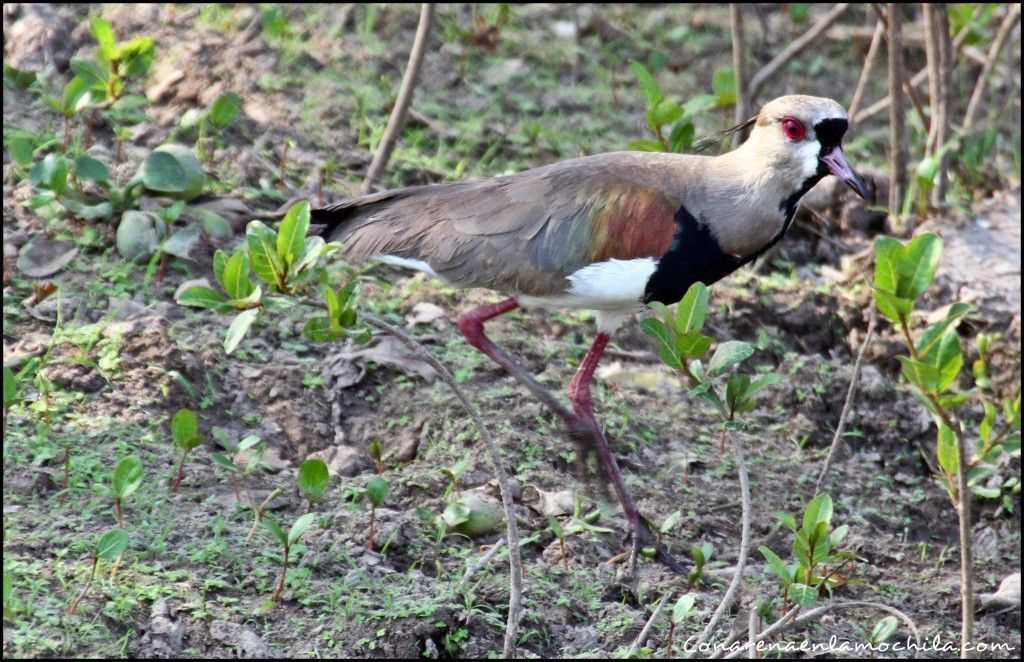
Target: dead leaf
[[46, 257], [389, 351]]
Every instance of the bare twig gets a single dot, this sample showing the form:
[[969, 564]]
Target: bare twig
[[398, 114], [793, 49], [897, 121], [752, 623], [850, 393], [908, 86], [737, 579], [1005, 30], [511, 531], [739, 65], [944, 120], [642, 637], [484, 560], [865, 72]]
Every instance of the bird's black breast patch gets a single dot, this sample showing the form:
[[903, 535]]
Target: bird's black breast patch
[[694, 256]]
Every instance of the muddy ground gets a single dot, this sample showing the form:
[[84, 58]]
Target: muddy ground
[[124, 358]]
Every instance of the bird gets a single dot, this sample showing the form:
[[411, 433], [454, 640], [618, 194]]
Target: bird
[[609, 233]]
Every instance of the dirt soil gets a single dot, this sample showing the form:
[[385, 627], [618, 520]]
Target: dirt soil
[[124, 358]]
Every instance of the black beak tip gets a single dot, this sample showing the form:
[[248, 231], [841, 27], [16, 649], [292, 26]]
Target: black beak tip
[[859, 187]]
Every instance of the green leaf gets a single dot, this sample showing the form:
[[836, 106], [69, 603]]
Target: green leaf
[[646, 146], [803, 595], [692, 309], [10, 388], [819, 511], [239, 326], [884, 629], [201, 296], [777, 565], [727, 355], [888, 252], [105, 38], [265, 261], [723, 84], [313, 251], [93, 74], [21, 151], [693, 345], [322, 329], [247, 443], [682, 135], [671, 521], [112, 544], [223, 461], [895, 309], [184, 426], [925, 377], [917, 268], [556, 528], [946, 449], [683, 608], [127, 477], [650, 89], [235, 276], [658, 330], [213, 223], [174, 170], [90, 169], [50, 173], [220, 261], [699, 104], [377, 490], [664, 112], [837, 536], [313, 479], [136, 56], [224, 110], [276, 529], [292, 235], [299, 527]]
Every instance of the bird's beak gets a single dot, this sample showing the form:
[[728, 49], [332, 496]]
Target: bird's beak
[[836, 163]]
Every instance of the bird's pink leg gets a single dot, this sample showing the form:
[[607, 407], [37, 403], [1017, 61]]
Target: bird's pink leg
[[472, 327], [582, 404]]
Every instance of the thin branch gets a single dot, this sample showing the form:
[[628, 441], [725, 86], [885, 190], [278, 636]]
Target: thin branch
[[752, 621], [794, 48], [850, 393], [739, 64], [484, 560], [911, 91], [642, 637], [514, 557], [865, 72], [737, 579], [398, 114], [897, 121], [1005, 30]]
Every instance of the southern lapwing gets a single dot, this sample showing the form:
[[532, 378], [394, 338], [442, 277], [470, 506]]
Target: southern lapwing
[[608, 233]]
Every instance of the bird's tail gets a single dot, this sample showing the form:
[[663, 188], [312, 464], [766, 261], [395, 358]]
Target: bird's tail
[[338, 220]]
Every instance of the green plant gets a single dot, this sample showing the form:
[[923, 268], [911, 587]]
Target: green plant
[[454, 474], [664, 113], [226, 460], [556, 529], [185, 433], [682, 610], [313, 481], [212, 123], [815, 561], [376, 492], [884, 629], [124, 481], [110, 547], [377, 454], [701, 556], [933, 368], [287, 540]]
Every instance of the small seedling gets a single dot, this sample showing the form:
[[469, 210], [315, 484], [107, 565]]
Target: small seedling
[[110, 546], [212, 123], [377, 453], [681, 610], [376, 493], [226, 460], [701, 556], [124, 481], [185, 432], [257, 511], [313, 481], [556, 528], [455, 474], [287, 540], [884, 629]]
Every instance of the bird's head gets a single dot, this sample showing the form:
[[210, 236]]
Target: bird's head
[[799, 138]]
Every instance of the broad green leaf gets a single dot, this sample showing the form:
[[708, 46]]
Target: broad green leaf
[[213, 223], [239, 326], [21, 151], [313, 479], [646, 146], [895, 309], [692, 309], [89, 71], [224, 109], [946, 450], [250, 302], [127, 477], [658, 330], [10, 388], [803, 595], [837, 536], [313, 251], [75, 96], [247, 443], [556, 527], [682, 135], [650, 89], [693, 345], [671, 521], [88, 168], [925, 377], [322, 329], [888, 252], [723, 84], [917, 268], [220, 261], [112, 544], [292, 235], [377, 490], [276, 529], [735, 390], [223, 461], [201, 296], [699, 104], [664, 112], [683, 608], [934, 333], [819, 511], [50, 173], [265, 261], [727, 355], [777, 565], [235, 276], [884, 629], [105, 38], [985, 427], [299, 527], [136, 56], [184, 426]]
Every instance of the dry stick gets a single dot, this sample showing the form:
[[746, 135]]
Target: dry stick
[[850, 393], [790, 619], [511, 531], [869, 64], [484, 560], [642, 637], [794, 48], [398, 114], [739, 65], [737, 579], [907, 84], [1005, 29], [931, 49], [752, 632], [897, 120], [944, 122]]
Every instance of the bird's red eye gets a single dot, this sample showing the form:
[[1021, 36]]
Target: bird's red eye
[[793, 128]]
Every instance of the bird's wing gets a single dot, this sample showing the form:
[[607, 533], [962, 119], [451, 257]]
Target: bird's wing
[[523, 233]]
